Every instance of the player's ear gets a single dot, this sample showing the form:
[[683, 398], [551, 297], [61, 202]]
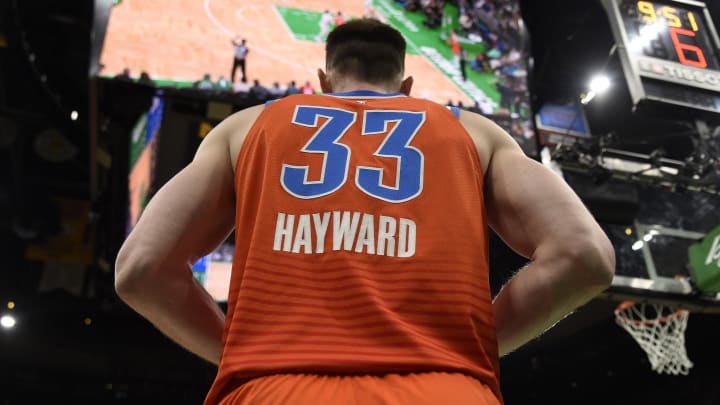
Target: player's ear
[[325, 85], [406, 85]]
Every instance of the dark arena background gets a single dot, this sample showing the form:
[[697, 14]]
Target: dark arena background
[[102, 102]]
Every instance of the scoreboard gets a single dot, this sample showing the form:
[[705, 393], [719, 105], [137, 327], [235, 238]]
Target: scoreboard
[[669, 51]]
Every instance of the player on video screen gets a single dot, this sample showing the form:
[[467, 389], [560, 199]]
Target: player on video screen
[[326, 23], [361, 217]]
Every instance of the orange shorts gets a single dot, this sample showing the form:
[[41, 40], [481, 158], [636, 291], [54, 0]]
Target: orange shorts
[[389, 389]]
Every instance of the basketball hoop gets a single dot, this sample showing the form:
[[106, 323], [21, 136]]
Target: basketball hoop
[[660, 332]]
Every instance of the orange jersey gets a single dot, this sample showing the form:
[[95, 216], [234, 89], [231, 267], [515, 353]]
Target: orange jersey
[[361, 244]]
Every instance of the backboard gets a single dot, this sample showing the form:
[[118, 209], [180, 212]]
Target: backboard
[[653, 267]]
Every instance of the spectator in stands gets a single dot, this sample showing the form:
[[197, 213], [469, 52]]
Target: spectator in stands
[[495, 62], [205, 83], [507, 94], [518, 102], [433, 11], [339, 18], [307, 88], [480, 63], [276, 91], [500, 45], [484, 106], [413, 5], [292, 89], [259, 91], [508, 69], [528, 132], [242, 86], [124, 76], [485, 6], [241, 53], [145, 79], [516, 129], [222, 83], [465, 22]]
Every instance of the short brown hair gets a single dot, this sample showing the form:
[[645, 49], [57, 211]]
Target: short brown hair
[[366, 50]]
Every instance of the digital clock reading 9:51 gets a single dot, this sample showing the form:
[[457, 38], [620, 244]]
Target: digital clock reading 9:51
[[669, 32]]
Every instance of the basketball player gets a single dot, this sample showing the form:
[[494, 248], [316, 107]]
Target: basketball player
[[360, 271], [326, 23]]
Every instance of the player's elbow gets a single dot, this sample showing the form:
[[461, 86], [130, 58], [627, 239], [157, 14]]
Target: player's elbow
[[595, 256], [583, 262], [131, 274]]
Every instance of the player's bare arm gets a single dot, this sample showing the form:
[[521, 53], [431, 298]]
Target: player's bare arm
[[187, 218], [539, 216]]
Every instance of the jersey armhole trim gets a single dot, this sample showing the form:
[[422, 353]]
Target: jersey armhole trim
[[455, 111]]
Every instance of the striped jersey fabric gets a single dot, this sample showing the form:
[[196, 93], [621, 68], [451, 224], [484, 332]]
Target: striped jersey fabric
[[361, 244]]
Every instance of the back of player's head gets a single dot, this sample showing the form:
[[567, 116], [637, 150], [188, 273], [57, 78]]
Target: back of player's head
[[366, 50]]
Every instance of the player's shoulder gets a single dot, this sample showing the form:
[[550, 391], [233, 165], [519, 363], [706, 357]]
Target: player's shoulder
[[234, 129], [488, 136], [476, 122], [242, 117], [239, 122]]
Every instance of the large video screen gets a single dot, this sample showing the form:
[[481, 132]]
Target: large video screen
[[141, 167], [470, 54]]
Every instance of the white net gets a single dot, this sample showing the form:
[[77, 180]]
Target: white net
[[660, 332]]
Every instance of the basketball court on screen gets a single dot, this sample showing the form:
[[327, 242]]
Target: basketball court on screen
[[181, 40]]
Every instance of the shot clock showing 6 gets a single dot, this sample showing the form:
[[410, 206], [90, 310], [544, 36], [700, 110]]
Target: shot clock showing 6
[[669, 32], [669, 50]]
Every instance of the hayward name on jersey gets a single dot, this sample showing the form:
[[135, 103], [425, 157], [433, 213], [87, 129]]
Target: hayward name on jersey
[[352, 231]]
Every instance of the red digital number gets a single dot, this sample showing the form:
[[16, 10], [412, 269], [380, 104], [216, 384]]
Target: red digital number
[[681, 48]]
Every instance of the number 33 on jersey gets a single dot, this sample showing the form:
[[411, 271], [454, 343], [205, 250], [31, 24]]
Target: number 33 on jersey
[[327, 140]]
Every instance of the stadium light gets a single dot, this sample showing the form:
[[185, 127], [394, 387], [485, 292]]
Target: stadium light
[[7, 321], [598, 85]]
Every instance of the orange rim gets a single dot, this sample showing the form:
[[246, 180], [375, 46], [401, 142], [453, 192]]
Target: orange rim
[[663, 319]]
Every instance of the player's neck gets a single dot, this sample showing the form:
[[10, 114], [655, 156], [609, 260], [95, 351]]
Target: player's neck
[[348, 86]]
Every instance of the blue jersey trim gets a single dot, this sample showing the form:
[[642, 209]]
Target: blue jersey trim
[[366, 94], [455, 111], [267, 103]]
